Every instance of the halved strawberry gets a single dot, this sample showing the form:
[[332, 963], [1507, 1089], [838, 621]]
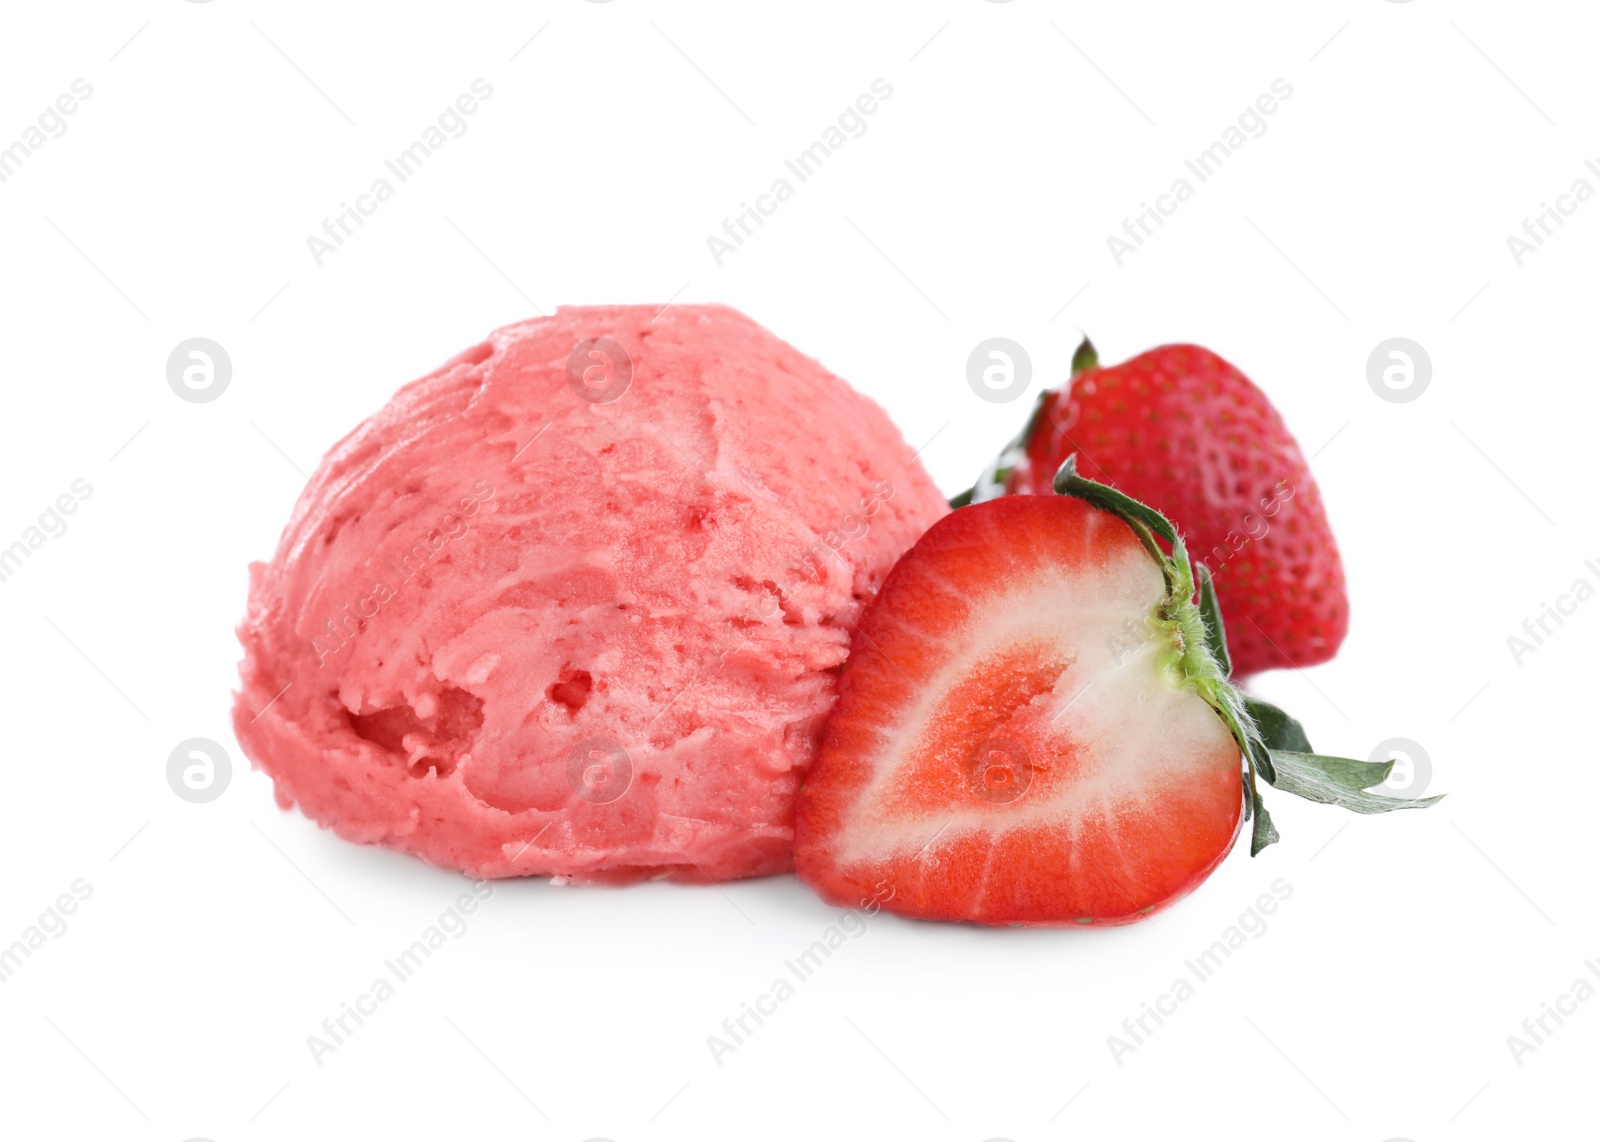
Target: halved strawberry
[[1035, 726]]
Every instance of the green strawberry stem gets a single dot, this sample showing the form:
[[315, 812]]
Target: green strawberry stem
[[1197, 659]]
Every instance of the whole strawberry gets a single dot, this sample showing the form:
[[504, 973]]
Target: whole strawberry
[[1182, 430]]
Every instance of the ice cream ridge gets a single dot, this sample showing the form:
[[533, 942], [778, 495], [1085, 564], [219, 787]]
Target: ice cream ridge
[[575, 603]]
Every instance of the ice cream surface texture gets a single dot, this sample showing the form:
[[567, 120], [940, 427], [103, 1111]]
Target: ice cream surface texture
[[575, 603]]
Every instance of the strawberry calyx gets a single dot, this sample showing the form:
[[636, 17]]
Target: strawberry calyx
[[991, 484], [1272, 745], [995, 478], [1085, 357]]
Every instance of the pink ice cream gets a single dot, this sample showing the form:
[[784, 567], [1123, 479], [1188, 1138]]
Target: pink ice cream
[[578, 610]]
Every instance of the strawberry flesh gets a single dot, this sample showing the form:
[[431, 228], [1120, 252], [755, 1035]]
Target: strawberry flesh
[[1013, 742]]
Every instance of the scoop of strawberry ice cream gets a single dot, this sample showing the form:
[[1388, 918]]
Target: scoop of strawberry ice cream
[[574, 604]]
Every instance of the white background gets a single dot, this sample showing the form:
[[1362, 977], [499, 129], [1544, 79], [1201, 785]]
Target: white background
[[1019, 136]]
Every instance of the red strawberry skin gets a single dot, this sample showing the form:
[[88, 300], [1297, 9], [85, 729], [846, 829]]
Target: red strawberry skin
[[1184, 431], [1007, 746]]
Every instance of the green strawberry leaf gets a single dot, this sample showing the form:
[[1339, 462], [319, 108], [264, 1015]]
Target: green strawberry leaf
[[1085, 358], [1345, 772], [1108, 499], [1278, 729], [1339, 781], [1216, 637], [1260, 756], [1262, 833]]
